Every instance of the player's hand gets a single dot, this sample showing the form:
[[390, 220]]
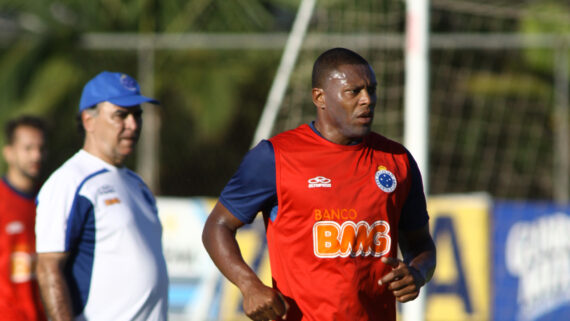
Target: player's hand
[[404, 281], [262, 303]]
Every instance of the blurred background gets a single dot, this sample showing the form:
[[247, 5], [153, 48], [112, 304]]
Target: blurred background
[[495, 67], [498, 96]]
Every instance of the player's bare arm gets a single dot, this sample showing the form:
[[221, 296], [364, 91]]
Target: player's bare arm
[[408, 276], [53, 287], [260, 302]]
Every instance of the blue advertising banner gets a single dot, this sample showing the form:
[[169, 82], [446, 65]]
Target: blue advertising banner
[[531, 251]]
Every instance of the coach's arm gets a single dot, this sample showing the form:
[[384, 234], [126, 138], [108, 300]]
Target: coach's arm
[[260, 302], [407, 277], [53, 287]]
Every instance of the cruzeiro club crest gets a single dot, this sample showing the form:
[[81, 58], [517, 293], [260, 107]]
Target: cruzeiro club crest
[[128, 82], [385, 179]]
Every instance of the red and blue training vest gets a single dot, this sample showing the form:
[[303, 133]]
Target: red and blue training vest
[[339, 208]]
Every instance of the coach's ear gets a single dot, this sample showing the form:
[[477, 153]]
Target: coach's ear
[[88, 117], [319, 98], [87, 120]]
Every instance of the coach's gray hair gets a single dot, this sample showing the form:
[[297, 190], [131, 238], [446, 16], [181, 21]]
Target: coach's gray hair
[[93, 111]]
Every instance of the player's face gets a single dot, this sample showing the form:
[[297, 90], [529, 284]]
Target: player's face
[[27, 153], [347, 103], [115, 131]]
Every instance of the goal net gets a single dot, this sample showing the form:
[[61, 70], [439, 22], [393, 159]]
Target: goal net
[[496, 94]]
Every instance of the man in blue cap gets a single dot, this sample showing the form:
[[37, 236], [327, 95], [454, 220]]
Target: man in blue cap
[[98, 235]]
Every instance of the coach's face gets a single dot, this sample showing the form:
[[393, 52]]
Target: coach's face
[[345, 104], [113, 131]]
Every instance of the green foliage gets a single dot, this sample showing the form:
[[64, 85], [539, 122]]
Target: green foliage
[[212, 136], [546, 17], [42, 94], [44, 69], [206, 86], [508, 84]]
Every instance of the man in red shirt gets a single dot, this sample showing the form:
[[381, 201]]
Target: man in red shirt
[[24, 153], [337, 201]]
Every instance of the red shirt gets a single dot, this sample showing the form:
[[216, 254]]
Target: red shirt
[[19, 292], [338, 212]]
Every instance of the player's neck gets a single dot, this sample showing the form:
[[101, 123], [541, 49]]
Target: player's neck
[[333, 135], [19, 181]]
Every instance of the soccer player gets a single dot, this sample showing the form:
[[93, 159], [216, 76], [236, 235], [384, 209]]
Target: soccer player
[[99, 238], [337, 200], [24, 153]]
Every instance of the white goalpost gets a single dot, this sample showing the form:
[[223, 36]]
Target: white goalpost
[[416, 97], [416, 115], [286, 66]]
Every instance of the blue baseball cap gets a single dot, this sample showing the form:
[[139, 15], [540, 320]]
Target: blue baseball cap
[[115, 87]]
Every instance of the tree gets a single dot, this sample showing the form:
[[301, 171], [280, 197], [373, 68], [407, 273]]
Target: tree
[[207, 96]]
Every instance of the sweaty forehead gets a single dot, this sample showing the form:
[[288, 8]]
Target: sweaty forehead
[[352, 73]]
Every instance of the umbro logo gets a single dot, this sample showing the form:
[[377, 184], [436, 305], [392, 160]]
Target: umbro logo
[[319, 181]]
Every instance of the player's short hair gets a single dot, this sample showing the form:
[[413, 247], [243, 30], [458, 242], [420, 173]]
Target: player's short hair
[[330, 60], [24, 120]]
